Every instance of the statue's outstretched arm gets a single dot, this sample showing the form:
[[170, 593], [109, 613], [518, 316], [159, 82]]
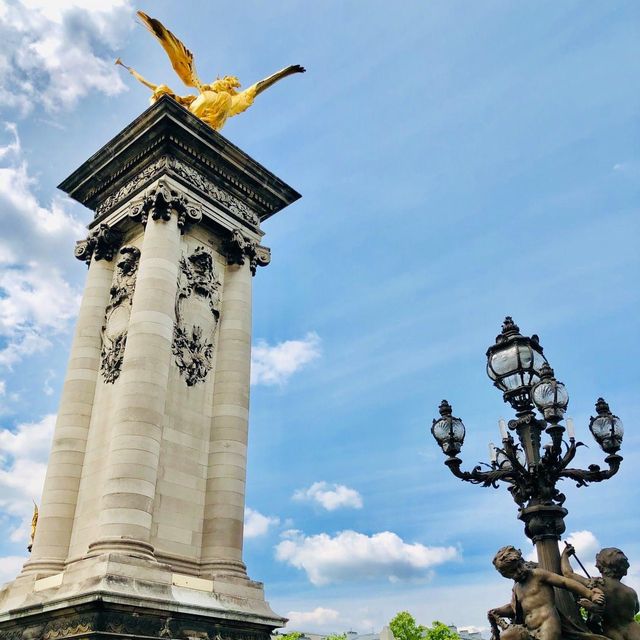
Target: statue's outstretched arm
[[594, 595], [243, 100], [137, 76], [567, 569]]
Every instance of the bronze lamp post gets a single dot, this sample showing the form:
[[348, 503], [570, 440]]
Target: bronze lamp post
[[518, 367]]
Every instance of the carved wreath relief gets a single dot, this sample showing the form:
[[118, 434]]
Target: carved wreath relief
[[197, 314], [114, 331]]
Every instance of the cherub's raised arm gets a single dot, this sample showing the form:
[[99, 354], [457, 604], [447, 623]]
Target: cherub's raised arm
[[243, 100], [567, 569]]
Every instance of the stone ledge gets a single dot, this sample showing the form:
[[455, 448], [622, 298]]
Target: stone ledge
[[101, 615]]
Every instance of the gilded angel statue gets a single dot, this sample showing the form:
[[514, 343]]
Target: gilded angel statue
[[217, 101]]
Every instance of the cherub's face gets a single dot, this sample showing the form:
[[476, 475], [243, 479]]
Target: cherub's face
[[513, 570]]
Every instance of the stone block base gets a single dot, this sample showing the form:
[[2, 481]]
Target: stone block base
[[102, 618], [118, 596]]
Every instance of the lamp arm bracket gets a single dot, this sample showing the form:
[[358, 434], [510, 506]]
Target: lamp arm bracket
[[477, 475], [594, 473]]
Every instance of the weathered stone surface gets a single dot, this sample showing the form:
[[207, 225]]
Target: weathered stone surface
[[141, 522]]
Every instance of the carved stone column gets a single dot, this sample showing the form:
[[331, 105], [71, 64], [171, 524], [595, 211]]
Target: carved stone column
[[58, 505], [141, 523], [132, 468], [222, 539]]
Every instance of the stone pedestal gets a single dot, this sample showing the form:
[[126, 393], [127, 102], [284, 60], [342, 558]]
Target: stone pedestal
[[141, 521]]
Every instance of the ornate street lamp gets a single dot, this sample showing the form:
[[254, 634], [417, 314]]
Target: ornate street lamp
[[518, 367]]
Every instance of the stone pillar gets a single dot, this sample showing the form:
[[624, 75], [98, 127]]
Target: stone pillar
[[224, 507], [127, 500], [156, 524], [60, 495]]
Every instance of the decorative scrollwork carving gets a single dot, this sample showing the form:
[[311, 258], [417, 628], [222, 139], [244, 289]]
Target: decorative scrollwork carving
[[161, 201], [233, 204], [146, 174], [193, 354], [64, 628], [239, 248], [114, 331], [101, 243], [192, 350]]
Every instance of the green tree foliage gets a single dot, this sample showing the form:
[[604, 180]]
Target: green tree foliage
[[440, 631], [404, 627], [336, 636], [294, 635]]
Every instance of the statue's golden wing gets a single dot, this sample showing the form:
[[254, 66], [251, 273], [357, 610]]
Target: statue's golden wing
[[278, 75], [181, 58], [243, 100]]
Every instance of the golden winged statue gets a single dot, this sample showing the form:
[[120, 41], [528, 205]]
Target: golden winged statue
[[217, 101]]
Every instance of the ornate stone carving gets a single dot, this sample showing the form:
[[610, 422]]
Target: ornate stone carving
[[193, 342], [161, 201], [239, 248], [64, 629], [233, 204], [129, 622], [194, 355], [102, 242], [145, 175], [166, 163], [114, 331]]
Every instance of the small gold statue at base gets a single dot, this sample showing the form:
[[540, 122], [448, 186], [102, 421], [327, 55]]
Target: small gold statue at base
[[218, 100], [34, 524]]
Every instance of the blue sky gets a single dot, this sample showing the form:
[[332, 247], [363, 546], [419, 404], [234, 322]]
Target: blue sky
[[458, 162]]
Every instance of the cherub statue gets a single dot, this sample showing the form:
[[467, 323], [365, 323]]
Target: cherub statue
[[216, 101], [532, 610], [621, 601]]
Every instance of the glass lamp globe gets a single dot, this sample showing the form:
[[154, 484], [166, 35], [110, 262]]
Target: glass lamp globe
[[606, 428], [514, 363], [448, 431], [549, 395]]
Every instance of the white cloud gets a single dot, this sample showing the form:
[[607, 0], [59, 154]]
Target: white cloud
[[330, 496], [23, 464], [276, 364], [55, 53], [257, 524], [350, 555], [319, 617], [586, 546], [10, 567], [34, 242]]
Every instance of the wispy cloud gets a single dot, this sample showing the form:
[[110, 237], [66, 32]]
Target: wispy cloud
[[33, 239], [330, 496], [256, 524], [23, 456], [586, 545], [352, 556], [275, 364], [10, 567], [59, 52], [319, 617]]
